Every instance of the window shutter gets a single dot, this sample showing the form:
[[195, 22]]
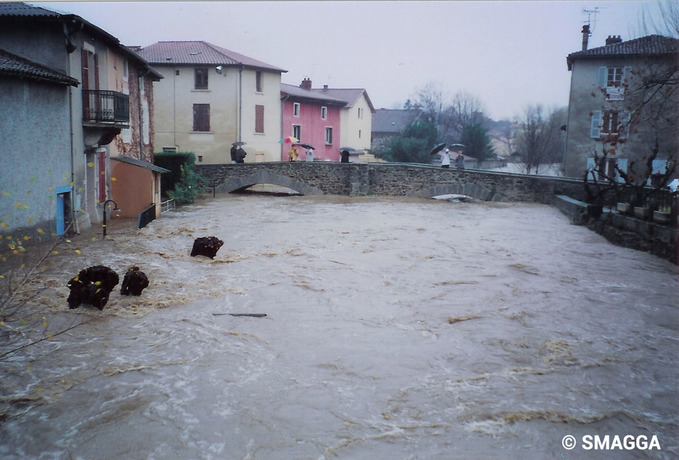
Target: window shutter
[[259, 118], [602, 79], [622, 166], [590, 164], [625, 118], [595, 124]]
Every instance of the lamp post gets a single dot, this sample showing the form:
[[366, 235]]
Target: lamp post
[[116, 209]]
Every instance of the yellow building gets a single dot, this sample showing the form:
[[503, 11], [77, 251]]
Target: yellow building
[[211, 97]]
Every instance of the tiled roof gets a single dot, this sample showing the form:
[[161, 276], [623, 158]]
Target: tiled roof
[[15, 66], [351, 95], [23, 10], [199, 52], [297, 92], [651, 45], [392, 120]]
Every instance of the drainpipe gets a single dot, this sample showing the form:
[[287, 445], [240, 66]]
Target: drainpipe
[[140, 84], [240, 101], [287, 96]]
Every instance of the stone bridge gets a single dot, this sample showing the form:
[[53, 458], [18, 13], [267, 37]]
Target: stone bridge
[[389, 179]]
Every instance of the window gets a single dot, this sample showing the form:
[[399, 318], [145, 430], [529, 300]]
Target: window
[[201, 78], [612, 80], [324, 113], [259, 82], [259, 119], [201, 117], [295, 109], [297, 132], [360, 112], [126, 69], [359, 133], [328, 135], [608, 123]]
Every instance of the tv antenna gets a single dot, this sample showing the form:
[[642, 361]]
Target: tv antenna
[[591, 18]]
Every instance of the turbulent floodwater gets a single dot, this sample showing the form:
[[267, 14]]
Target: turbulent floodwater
[[394, 329]]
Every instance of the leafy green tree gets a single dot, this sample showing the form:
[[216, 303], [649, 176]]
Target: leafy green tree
[[189, 186], [414, 145], [477, 142]]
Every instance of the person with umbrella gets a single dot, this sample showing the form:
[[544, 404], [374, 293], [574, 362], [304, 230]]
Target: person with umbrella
[[293, 154], [445, 158]]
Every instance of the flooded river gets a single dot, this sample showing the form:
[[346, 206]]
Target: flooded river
[[394, 329]]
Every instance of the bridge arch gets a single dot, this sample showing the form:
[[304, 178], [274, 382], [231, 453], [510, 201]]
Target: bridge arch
[[469, 189], [264, 176]]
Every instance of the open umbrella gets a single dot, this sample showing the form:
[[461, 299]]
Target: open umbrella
[[349, 149], [238, 144], [457, 146], [437, 149], [306, 146], [288, 140]]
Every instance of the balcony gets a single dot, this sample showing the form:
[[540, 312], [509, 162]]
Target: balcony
[[106, 108]]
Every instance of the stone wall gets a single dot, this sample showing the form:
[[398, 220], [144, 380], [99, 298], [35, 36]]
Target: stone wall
[[390, 179]]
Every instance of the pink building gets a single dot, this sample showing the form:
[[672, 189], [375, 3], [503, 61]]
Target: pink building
[[312, 118]]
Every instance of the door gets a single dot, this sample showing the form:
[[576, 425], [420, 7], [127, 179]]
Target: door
[[63, 209]]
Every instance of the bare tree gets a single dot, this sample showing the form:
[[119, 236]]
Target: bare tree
[[662, 18], [539, 141]]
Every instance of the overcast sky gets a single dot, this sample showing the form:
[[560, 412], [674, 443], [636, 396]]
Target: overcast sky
[[507, 54]]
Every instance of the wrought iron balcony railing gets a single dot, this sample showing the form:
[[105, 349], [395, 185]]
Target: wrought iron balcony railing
[[106, 107]]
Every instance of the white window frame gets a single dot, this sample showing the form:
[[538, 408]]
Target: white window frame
[[297, 132], [324, 112], [296, 108], [328, 135]]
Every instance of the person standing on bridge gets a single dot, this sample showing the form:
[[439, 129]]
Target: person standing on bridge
[[445, 158], [293, 154]]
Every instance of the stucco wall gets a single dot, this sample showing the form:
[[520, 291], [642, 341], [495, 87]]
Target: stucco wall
[[35, 153], [313, 129], [175, 95], [132, 188], [586, 96], [356, 132]]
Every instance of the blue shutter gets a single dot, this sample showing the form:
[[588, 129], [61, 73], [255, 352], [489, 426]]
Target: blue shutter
[[625, 118], [595, 124], [602, 79], [622, 165]]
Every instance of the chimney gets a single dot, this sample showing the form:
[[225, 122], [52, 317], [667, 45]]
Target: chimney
[[325, 87], [306, 84], [585, 36], [613, 39]]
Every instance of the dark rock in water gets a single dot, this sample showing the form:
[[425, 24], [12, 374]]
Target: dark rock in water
[[206, 246], [134, 282], [92, 286]]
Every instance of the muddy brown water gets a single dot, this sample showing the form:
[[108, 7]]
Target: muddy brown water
[[394, 329]]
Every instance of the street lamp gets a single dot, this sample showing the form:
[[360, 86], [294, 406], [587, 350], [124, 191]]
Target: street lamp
[[116, 209]]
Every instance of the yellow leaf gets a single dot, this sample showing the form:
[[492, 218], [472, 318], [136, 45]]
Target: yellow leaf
[[41, 231], [49, 336], [77, 251], [55, 252], [44, 324], [90, 164], [114, 179]]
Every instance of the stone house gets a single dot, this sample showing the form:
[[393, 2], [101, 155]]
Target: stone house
[[62, 144], [621, 101], [211, 97], [312, 118], [388, 124]]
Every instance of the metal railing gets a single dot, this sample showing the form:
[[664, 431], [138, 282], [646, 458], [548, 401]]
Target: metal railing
[[104, 106], [166, 206]]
